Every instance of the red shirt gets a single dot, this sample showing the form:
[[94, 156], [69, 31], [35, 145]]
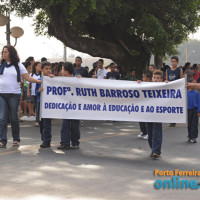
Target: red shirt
[[196, 76]]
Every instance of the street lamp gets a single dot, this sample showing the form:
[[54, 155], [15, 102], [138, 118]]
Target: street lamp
[[3, 20], [15, 32]]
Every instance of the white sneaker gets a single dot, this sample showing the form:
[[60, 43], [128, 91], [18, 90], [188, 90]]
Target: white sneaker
[[146, 137], [141, 135]]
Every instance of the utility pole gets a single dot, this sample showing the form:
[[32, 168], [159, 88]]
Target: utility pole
[[8, 29], [65, 54]]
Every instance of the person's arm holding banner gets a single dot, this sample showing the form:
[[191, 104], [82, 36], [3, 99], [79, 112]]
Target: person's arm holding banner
[[193, 85]]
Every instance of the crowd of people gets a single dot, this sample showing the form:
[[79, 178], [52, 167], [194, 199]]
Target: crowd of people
[[24, 88]]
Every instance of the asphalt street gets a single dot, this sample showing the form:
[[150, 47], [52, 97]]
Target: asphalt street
[[111, 164]]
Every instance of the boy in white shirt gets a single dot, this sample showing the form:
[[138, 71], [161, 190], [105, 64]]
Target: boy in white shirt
[[101, 72]]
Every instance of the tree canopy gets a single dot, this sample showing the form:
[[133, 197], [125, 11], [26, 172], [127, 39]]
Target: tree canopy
[[127, 32]]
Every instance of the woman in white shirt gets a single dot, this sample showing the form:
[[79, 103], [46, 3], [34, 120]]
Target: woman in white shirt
[[10, 77]]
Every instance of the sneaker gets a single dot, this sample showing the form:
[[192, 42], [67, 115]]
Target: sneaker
[[141, 135], [193, 140], [62, 146], [155, 155], [146, 137], [16, 143], [2, 145], [75, 147], [45, 145]]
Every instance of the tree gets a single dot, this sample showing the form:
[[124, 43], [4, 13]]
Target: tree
[[127, 32]]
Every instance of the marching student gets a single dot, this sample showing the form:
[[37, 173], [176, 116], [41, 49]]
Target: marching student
[[147, 76], [101, 71], [193, 100], [45, 124], [113, 74], [154, 129], [80, 71], [70, 127], [174, 73]]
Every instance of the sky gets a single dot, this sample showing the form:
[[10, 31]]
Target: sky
[[31, 45]]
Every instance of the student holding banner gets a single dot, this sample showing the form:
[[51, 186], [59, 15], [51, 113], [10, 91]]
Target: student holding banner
[[146, 77], [45, 123], [70, 127], [155, 129]]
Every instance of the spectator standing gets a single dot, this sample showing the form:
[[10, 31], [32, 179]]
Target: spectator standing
[[174, 73], [101, 72], [113, 74], [80, 71], [131, 76], [26, 93], [11, 71], [193, 100], [31, 60], [43, 59], [121, 71], [188, 72], [152, 68], [195, 69], [36, 73]]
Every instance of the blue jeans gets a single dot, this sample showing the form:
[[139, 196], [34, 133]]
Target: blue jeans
[[155, 136], [9, 104], [70, 131], [193, 122], [45, 130], [143, 128]]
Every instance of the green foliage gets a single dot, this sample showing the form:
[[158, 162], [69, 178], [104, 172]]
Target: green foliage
[[41, 22], [144, 26]]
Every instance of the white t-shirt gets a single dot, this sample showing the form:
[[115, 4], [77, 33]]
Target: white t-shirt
[[8, 80], [101, 73], [33, 85]]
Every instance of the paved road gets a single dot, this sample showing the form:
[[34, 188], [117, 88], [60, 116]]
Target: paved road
[[112, 164]]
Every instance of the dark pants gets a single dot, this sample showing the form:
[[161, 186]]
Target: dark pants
[[9, 104], [143, 128], [155, 136], [45, 130], [34, 97], [37, 112], [70, 131], [193, 122]]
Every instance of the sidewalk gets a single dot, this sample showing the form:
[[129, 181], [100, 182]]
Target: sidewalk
[[111, 164]]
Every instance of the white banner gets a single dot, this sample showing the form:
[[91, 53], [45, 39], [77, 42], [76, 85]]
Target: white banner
[[95, 99]]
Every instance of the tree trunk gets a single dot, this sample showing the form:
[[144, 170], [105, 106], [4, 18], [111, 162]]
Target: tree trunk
[[158, 61]]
